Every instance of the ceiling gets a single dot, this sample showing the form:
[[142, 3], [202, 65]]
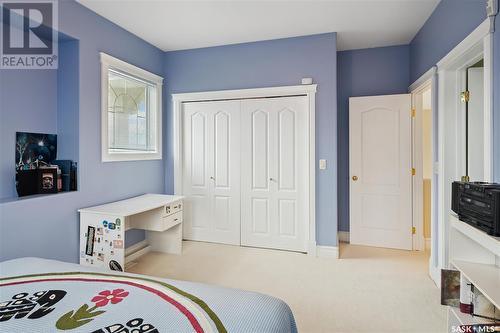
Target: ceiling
[[177, 25]]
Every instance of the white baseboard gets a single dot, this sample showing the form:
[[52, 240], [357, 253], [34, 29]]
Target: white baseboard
[[327, 252], [435, 274], [427, 243], [344, 236]]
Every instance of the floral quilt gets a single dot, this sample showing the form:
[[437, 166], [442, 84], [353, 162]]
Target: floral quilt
[[66, 300]]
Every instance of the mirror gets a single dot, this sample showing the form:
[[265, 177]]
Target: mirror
[[474, 121]]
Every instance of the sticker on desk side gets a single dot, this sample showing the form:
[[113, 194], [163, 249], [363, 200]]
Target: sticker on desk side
[[118, 244], [89, 248]]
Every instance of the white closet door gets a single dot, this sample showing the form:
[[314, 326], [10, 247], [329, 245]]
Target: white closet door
[[274, 173], [212, 171]]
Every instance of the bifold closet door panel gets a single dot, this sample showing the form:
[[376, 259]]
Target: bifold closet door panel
[[274, 172], [211, 171]]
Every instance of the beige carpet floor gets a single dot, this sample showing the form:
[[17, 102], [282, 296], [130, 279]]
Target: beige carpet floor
[[368, 290]]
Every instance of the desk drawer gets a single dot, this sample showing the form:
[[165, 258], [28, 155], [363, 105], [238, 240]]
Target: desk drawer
[[168, 222], [173, 208]]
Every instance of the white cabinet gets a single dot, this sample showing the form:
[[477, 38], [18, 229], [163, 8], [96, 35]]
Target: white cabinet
[[245, 171]]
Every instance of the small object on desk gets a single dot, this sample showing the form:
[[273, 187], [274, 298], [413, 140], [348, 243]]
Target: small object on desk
[[159, 215]]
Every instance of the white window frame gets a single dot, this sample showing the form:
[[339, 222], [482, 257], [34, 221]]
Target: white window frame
[[108, 62]]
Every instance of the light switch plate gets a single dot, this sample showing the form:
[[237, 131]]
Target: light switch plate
[[322, 164]]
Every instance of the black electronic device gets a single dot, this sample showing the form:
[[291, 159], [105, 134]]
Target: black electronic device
[[477, 204]]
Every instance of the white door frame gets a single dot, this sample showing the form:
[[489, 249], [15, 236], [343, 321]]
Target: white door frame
[[448, 158], [283, 91], [450, 75], [426, 81], [417, 158]]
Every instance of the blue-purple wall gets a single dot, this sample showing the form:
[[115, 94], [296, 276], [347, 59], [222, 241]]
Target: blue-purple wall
[[48, 226], [266, 64], [366, 72], [21, 92], [449, 24]]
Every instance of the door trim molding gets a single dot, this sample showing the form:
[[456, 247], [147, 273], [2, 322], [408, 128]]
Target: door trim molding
[[282, 91], [417, 156], [422, 81], [476, 45], [344, 236]]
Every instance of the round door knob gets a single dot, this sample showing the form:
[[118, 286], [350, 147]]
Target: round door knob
[[354, 178], [212, 178]]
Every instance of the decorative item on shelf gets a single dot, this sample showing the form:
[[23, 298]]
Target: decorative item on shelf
[[466, 294], [37, 170], [482, 307], [37, 181], [34, 150], [450, 287], [73, 184], [65, 167]]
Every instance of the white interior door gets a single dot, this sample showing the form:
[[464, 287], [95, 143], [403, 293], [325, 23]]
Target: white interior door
[[211, 174], [274, 173], [380, 171]]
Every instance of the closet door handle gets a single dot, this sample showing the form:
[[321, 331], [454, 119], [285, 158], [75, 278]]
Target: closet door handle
[[272, 179], [212, 178]]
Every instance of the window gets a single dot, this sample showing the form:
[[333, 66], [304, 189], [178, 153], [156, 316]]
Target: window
[[131, 112]]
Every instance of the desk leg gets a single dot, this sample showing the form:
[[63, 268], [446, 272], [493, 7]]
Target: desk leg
[[168, 241]]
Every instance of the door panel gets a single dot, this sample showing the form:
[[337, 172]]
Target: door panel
[[286, 150], [260, 216], [212, 171], [196, 212], [222, 154], [274, 193], [380, 162], [222, 213], [198, 149], [287, 217], [380, 165], [260, 149]]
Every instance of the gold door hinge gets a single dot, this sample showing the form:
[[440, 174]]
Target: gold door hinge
[[413, 171], [413, 230], [465, 96], [413, 113]]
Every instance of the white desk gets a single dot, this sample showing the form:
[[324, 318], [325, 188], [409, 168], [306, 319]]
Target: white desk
[[102, 229]]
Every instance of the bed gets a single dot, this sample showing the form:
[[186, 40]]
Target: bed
[[40, 295]]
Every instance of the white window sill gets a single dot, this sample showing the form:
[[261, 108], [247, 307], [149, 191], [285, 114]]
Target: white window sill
[[123, 156]]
